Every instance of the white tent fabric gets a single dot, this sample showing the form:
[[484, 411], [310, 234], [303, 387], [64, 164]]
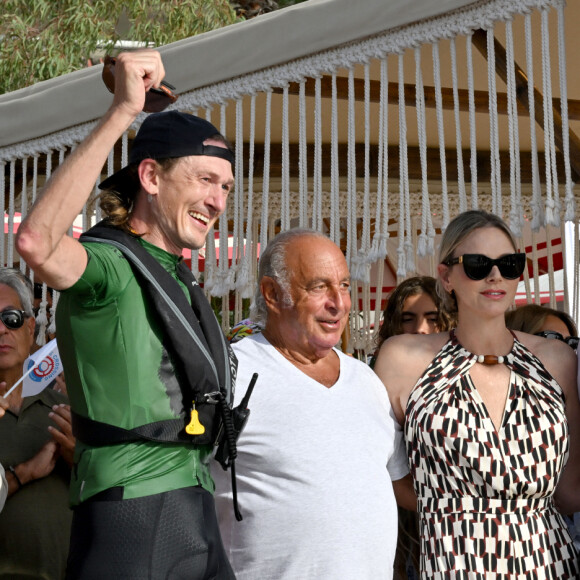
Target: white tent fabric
[[544, 293], [215, 57], [326, 101]]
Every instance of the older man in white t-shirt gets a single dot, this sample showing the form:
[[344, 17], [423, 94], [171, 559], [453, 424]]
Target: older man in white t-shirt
[[321, 458]]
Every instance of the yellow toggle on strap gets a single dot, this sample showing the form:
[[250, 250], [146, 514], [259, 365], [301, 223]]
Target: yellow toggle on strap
[[195, 427]]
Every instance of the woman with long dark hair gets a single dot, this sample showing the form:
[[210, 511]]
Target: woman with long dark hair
[[413, 307]]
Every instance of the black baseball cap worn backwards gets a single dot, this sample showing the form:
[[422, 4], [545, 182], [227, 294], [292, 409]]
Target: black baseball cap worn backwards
[[167, 135]]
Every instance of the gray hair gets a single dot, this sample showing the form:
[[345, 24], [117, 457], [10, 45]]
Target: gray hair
[[273, 265], [16, 280], [458, 229]]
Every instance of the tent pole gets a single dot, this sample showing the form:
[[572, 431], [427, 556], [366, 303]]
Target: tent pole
[[479, 39]]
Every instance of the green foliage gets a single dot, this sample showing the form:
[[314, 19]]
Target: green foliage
[[42, 39]]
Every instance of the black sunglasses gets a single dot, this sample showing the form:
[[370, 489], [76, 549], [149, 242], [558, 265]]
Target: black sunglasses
[[156, 99], [478, 266], [13, 319], [570, 340]]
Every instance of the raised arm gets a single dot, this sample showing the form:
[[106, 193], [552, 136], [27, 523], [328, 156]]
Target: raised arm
[[41, 240]]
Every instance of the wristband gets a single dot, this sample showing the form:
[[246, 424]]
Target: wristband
[[13, 472]]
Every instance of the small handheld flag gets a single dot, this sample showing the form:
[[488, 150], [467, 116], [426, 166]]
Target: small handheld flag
[[44, 366], [39, 370]]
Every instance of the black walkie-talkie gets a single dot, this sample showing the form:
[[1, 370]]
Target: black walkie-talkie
[[233, 424], [239, 417], [241, 412]]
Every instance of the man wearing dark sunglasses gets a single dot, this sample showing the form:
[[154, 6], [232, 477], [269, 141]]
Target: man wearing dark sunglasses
[[36, 450], [140, 345]]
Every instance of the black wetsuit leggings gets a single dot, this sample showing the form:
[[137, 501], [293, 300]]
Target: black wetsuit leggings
[[168, 536]]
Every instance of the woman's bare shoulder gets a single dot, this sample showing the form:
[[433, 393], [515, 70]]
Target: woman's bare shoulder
[[556, 356], [408, 355], [415, 344], [401, 362]]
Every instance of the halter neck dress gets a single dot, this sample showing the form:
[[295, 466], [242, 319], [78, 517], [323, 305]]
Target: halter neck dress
[[485, 495]]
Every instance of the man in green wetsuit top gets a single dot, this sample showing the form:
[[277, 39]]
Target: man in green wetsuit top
[[143, 507]]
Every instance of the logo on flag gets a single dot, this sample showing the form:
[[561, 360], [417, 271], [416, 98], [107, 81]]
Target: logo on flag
[[46, 369]]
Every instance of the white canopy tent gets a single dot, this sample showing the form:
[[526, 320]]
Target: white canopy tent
[[374, 121], [232, 52]]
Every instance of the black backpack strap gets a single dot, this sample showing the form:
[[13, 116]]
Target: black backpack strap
[[205, 365], [97, 434]]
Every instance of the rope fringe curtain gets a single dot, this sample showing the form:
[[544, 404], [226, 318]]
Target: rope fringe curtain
[[311, 154]]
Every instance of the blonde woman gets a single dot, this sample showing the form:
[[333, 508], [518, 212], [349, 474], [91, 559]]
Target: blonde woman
[[491, 419]]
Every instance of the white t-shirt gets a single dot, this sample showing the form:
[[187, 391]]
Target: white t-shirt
[[314, 472], [3, 488]]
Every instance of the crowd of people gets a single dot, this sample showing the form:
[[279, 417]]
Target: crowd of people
[[36, 452], [413, 307], [462, 438]]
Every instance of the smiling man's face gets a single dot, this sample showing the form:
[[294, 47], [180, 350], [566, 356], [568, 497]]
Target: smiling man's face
[[188, 199]]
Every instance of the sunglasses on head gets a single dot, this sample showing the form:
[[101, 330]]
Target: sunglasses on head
[[570, 340], [156, 99], [478, 266], [13, 319]]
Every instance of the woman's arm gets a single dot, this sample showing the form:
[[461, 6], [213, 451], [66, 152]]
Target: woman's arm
[[405, 493], [561, 362]]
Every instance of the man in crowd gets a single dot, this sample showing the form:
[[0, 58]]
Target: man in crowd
[[139, 342], [321, 454], [36, 450], [3, 483]]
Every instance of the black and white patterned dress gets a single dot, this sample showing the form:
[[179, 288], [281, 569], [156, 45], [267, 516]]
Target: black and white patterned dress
[[485, 495]]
